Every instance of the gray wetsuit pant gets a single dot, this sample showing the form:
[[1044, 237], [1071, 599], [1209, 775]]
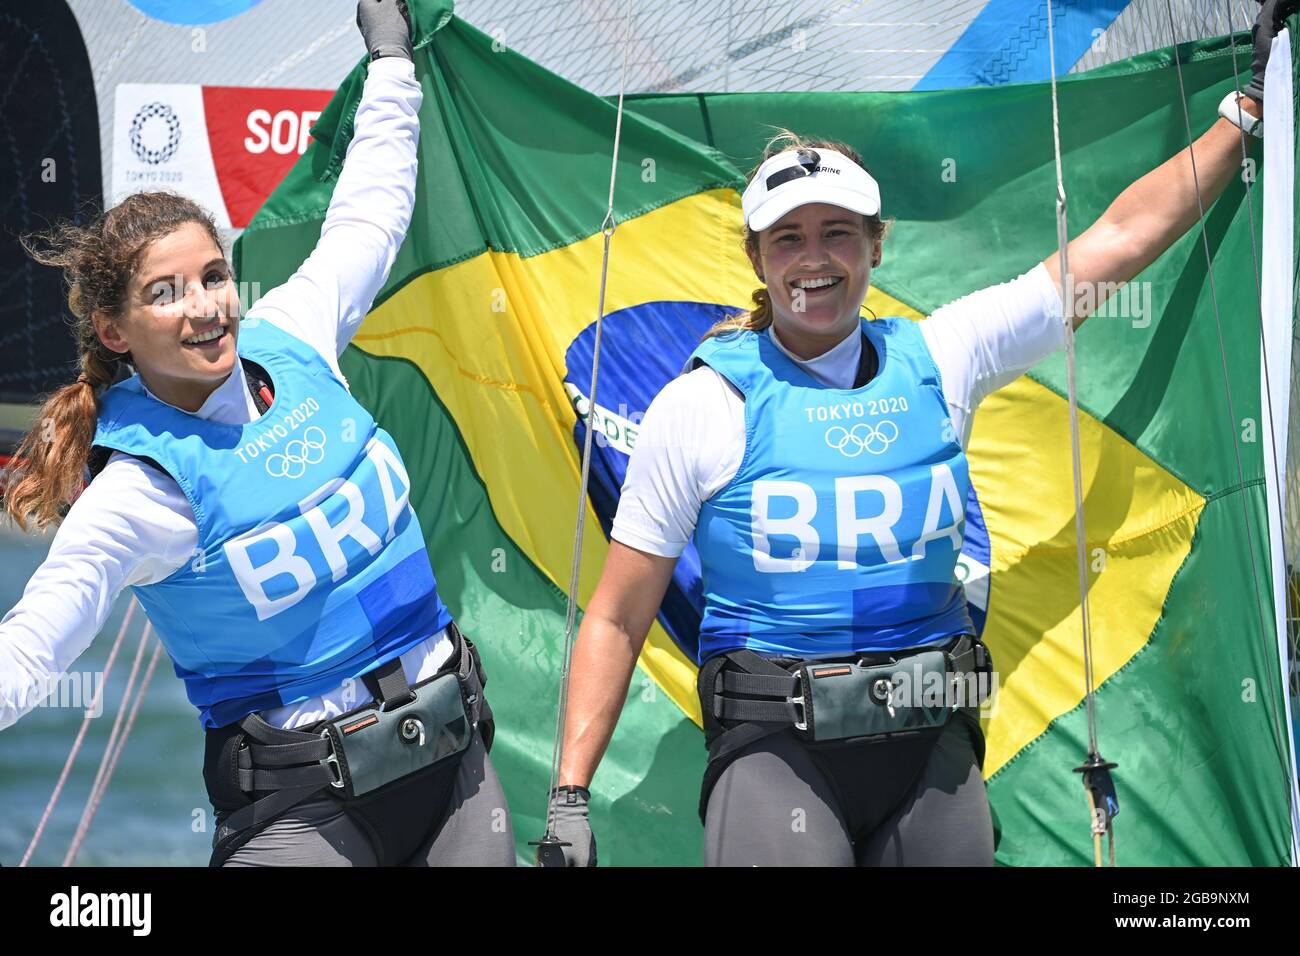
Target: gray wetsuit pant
[[475, 829], [878, 804]]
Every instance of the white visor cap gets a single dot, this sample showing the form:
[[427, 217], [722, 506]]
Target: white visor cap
[[797, 177]]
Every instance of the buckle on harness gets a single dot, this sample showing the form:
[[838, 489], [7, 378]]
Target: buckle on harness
[[332, 761], [800, 702]]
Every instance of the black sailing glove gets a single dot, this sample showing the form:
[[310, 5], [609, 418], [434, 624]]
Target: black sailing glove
[[1272, 17], [573, 826], [386, 27]]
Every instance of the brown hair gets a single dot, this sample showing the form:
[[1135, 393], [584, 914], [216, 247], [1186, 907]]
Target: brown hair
[[99, 262], [760, 316]]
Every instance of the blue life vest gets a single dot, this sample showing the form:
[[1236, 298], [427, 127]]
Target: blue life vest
[[842, 527], [311, 568]]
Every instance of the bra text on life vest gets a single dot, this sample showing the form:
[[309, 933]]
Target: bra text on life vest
[[850, 525], [288, 557]]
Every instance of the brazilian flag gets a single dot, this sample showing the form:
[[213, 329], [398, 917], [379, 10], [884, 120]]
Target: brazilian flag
[[477, 358]]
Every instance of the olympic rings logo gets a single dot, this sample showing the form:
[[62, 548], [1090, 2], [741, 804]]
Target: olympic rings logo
[[167, 116], [864, 436], [298, 454]]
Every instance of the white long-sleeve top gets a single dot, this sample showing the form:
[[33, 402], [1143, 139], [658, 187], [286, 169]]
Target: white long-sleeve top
[[692, 438], [133, 525]]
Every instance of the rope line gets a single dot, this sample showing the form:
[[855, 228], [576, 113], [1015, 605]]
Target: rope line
[[97, 795], [95, 704], [1227, 388], [83, 824], [1076, 462], [1095, 770], [1275, 458], [607, 230]]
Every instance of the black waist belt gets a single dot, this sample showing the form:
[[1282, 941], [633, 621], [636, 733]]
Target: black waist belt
[[830, 699], [258, 771], [870, 696]]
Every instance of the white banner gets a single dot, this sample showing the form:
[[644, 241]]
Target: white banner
[[160, 141]]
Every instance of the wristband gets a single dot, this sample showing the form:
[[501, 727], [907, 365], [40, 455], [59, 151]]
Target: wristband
[[1236, 115], [571, 791]]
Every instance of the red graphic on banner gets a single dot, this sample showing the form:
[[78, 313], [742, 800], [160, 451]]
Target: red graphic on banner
[[256, 134]]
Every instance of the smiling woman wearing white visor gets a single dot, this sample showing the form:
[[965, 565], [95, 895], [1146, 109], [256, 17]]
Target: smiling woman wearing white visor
[[818, 460]]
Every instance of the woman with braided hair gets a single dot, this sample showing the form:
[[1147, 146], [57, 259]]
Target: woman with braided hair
[[262, 518]]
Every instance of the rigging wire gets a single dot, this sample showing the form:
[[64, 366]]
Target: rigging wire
[[84, 822], [95, 704], [1102, 802], [549, 841], [1227, 391], [1275, 459], [112, 754]]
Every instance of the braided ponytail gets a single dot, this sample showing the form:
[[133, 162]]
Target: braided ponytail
[[48, 469]]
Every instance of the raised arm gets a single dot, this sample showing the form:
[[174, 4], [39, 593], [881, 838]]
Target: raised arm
[[325, 300], [1151, 214]]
